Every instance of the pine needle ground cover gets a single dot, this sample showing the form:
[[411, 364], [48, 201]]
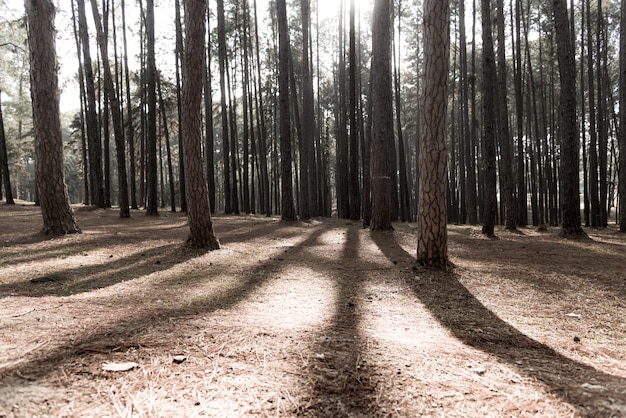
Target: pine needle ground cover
[[320, 319]]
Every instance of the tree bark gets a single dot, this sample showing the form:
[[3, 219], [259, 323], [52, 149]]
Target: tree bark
[[152, 203], [489, 120], [114, 105], [382, 117], [198, 206], [568, 129], [288, 211], [58, 218], [506, 158], [432, 236], [622, 124], [96, 175]]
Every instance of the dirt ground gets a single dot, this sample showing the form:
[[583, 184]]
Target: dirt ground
[[317, 319]]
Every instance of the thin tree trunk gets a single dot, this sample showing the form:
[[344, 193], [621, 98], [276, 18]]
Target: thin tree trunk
[[166, 132], [152, 203], [116, 113], [353, 150], [93, 133], [4, 162], [622, 120], [506, 161], [489, 115], [181, 142], [221, 39]]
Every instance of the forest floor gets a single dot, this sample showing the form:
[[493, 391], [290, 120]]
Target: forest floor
[[317, 319]]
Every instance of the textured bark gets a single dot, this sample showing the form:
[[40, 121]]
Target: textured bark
[[622, 129], [288, 210], [116, 113], [489, 121], [568, 128], [198, 206], [58, 218], [432, 236], [382, 117]]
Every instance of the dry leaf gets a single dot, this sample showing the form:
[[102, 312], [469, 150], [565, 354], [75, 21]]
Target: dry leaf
[[119, 367]]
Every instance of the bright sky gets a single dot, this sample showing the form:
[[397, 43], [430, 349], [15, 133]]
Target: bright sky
[[66, 49]]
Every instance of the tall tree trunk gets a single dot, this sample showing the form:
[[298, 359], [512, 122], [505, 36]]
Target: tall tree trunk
[[181, 145], [209, 146], [570, 205], [594, 197], [288, 211], [118, 128], [405, 198], [603, 129], [130, 132], [472, 197], [308, 116], [506, 161], [221, 40], [58, 218], [198, 206], [489, 119], [622, 120], [522, 201], [93, 133], [152, 203], [432, 236], [353, 153], [382, 117]]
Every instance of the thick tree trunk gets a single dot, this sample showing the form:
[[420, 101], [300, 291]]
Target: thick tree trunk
[[198, 206], [432, 236], [568, 127], [382, 117], [58, 218]]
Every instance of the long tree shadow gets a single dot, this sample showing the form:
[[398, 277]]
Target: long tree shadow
[[126, 333], [343, 383], [591, 391]]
